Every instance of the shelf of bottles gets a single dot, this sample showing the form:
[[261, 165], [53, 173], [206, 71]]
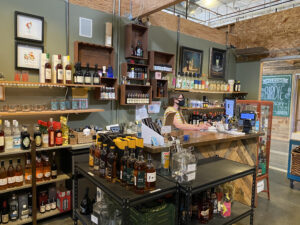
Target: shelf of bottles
[[208, 91], [135, 94], [202, 108]]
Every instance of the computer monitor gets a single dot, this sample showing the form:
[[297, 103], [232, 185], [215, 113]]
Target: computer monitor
[[230, 107]]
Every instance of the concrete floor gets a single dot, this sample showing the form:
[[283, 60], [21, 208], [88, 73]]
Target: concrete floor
[[282, 209]]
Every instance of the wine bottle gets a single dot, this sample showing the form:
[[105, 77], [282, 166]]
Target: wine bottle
[[85, 203]]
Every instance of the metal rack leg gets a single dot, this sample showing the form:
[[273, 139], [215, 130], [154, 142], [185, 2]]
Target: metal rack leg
[[177, 207], [187, 208], [125, 213], [75, 196], [253, 198]]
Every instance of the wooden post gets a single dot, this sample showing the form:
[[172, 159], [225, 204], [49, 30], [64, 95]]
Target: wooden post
[[34, 191]]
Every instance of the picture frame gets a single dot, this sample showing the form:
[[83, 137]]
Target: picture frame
[[217, 64], [191, 60], [29, 27], [27, 56]]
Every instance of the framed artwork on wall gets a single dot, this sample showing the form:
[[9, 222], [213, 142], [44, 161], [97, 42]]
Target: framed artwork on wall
[[27, 56], [217, 63], [29, 27], [190, 60]]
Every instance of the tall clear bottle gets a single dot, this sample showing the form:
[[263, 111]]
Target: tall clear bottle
[[8, 138], [16, 135]]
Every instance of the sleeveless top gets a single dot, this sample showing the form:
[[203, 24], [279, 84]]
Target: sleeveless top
[[178, 115]]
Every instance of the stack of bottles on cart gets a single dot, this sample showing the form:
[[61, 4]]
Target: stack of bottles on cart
[[214, 202], [123, 162]]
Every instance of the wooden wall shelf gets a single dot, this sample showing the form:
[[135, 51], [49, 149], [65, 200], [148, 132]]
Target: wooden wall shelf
[[49, 112], [36, 85], [107, 82], [159, 82], [124, 70], [133, 34], [204, 109], [208, 92], [93, 54], [156, 57], [134, 88]]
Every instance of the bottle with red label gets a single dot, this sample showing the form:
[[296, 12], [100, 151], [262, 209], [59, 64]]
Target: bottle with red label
[[58, 134], [51, 133]]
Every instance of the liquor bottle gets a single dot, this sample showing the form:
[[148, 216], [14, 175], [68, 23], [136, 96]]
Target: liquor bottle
[[46, 168], [130, 169], [13, 208], [53, 167], [75, 74], [25, 139], [68, 71], [208, 199], [3, 177], [39, 169], [111, 169], [92, 153], [103, 160], [140, 174], [8, 138], [58, 134], [87, 75], [203, 209], [214, 201], [11, 179], [37, 137], [30, 204], [48, 72], [85, 203], [19, 174], [5, 213], [48, 205], [51, 133], [53, 204], [59, 71], [79, 75], [150, 174], [123, 167], [28, 171], [16, 135], [139, 49], [42, 207], [97, 155], [2, 146], [96, 78]]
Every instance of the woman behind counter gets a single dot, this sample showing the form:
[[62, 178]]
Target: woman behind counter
[[179, 122]]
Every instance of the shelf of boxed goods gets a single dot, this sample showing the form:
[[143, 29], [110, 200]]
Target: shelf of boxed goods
[[215, 171], [60, 177], [207, 92], [50, 112], [50, 85]]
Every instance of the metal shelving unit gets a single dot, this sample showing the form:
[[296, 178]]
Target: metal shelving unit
[[125, 198]]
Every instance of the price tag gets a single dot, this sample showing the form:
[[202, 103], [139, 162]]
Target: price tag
[[91, 174], [94, 219], [260, 186]]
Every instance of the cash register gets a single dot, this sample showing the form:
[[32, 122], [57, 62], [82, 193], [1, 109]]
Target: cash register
[[247, 120]]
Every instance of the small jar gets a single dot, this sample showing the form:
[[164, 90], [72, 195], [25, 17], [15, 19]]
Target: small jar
[[54, 105], [74, 104], [62, 104]]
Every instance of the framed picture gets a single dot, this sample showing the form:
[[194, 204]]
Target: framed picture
[[29, 27], [217, 63], [27, 56], [191, 60]]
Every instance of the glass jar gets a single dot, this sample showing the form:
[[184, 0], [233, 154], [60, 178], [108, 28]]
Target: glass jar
[[62, 104], [54, 104]]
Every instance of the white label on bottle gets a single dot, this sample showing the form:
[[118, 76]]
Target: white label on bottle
[[54, 172], [87, 80], [48, 207], [45, 138], [94, 219], [60, 74], [42, 209], [191, 176], [11, 180], [48, 73], [205, 213], [47, 174], [19, 179], [17, 141], [39, 175], [121, 174], [3, 182], [2, 141], [191, 167], [53, 205], [80, 79], [28, 177], [151, 177], [134, 180], [68, 75], [96, 80]]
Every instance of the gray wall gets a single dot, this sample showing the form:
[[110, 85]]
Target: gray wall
[[160, 39], [248, 74]]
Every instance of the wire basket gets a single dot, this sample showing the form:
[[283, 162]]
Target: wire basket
[[295, 169]]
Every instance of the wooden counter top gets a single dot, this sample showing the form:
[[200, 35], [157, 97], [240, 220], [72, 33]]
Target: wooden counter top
[[198, 138]]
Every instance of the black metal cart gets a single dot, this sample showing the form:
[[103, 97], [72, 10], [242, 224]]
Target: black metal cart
[[125, 198]]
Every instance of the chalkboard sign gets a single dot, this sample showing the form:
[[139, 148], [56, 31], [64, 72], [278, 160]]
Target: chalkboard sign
[[278, 90]]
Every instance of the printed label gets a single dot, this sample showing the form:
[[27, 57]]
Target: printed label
[[51, 137], [45, 138], [60, 74], [26, 142], [191, 176], [151, 177], [80, 79], [48, 207], [205, 213], [19, 179], [87, 80], [38, 140], [53, 205], [3, 182], [4, 218], [96, 80], [11, 180], [91, 160], [191, 167], [2, 141], [94, 219], [48, 73], [165, 159], [42, 209], [17, 141], [47, 174], [68, 75], [124, 174], [39, 175], [54, 172], [140, 183], [28, 177], [130, 176]]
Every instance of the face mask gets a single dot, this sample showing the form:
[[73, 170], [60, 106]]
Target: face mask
[[181, 102]]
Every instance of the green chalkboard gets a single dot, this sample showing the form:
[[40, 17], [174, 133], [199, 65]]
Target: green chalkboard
[[278, 89]]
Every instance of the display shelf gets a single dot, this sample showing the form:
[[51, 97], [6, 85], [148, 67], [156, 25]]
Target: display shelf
[[50, 112], [37, 84], [155, 83], [107, 82], [238, 212], [60, 177], [137, 64], [156, 57], [134, 88], [13, 152], [201, 108], [133, 34], [124, 69], [85, 220], [207, 92], [24, 186], [136, 57], [121, 194], [20, 222]]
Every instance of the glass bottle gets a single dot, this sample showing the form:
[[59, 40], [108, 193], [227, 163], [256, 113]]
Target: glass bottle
[[48, 74], [5, 213], [11, 179], [53, 204], [53, 167], [183, 83], [51, 134], [96, 155], [79, 75], [214, 201], [203, 209], [39, 169], [75, 74], [16, 135], [48, 205], [150, 174], [96, 78], [130, 169], [123, 167], [59, 71], [87, 75], [8, 138], [37, 137], [139, 49], [19, 174], [2, 146], [140, 174], [178, 80], [25, 139], [46, 168], [58, 134], [68, 70], [42, 207], [13, 208], [3, 177], [103, 159], [111, 168], [92, 153], [85, 203], [28, 171]]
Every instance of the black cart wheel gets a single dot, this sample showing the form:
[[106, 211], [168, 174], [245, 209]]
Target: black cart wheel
[[292, 184]]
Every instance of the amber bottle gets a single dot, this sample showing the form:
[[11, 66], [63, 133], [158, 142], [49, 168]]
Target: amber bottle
[[111, 165], [96, 158], [3, 177], [51, 134], [68, 70], [140, 175], [46, 168], [59, 71], [150, 175], [1, 138], [19, 174], [11, 179], [28, 171], [39, 169], [92, 153], [203, 209], [48, 74]]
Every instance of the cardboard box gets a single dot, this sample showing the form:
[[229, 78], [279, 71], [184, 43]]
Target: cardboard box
[[64, 203], [108, 34], [79, 93], [43, 60]]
